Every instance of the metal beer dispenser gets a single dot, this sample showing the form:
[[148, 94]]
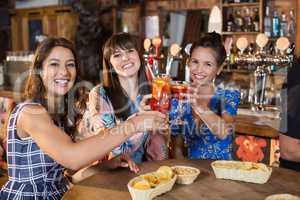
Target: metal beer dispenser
[[262, 60]]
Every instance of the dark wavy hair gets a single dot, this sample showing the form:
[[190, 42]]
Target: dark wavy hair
[[212, 40], [111, 83]]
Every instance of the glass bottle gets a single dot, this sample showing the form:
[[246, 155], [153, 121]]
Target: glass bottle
[[256, 20], [238, 21], [283, 25], [276, 25], [267, 23], [292, 26]]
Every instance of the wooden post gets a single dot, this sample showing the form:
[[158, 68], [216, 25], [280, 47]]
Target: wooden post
[[297, 38]]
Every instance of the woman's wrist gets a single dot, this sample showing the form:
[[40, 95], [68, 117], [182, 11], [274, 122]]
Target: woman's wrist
[[129, 126], [201, 109]]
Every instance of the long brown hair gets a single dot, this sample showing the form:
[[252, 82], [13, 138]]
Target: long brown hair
[[111, 83], [35, 89]]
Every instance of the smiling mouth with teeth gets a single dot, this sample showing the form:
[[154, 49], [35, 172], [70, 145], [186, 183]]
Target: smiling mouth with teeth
[[199, 77], [127, 66], [61, 81]]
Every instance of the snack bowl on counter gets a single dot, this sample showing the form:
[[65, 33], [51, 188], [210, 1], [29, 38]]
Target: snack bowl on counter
[[282, 197], [185, 174], [242, 171], [149, 185]]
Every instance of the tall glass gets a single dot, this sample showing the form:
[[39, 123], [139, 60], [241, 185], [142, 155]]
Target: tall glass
[[179, 90], [161, 93], [161, 97]]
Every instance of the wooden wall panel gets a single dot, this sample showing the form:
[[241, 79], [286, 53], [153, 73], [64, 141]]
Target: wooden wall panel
[[153, 7]]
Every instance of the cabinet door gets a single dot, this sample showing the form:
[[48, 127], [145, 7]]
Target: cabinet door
[[50, 25], [17, 33], [66, 25]]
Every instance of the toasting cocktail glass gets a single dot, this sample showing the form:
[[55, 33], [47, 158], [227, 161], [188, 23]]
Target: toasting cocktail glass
[[161, 93]]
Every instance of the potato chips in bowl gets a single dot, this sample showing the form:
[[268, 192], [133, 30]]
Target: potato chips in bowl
[[149, 185]]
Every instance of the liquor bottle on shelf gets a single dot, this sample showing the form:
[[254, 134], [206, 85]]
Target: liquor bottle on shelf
[[291, 26], [268, 23], [237, 1], [230, 23], [276, 25], [283, 25], [238, 21], [248, 26], [256, 20]]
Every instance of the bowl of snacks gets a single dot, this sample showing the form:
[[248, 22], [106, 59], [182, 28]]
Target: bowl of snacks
[[185, 174], [242, 171], [282, 197], [149, 185]]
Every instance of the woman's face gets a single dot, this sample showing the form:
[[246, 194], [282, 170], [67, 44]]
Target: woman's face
[[126, 62], [203, 65], [59, 71]]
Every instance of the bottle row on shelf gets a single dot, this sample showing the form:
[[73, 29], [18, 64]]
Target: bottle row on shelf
[[241, 19], [278, 25]]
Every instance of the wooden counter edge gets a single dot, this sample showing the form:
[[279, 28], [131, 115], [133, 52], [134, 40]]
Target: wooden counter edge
[[245, 125]]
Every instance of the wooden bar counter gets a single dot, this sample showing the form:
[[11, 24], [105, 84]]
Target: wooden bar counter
[[112, 185]]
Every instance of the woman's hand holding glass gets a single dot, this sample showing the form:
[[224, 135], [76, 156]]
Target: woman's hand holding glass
[[148, 121], [200, 95], [144, 104]]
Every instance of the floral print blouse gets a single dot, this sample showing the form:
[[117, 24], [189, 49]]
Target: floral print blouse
[[200, 141]]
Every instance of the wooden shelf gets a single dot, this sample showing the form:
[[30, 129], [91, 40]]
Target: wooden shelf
[[240, 33], [256, 4]]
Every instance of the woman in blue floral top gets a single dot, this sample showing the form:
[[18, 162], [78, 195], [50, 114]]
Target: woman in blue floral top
[[209, 115], [118, 98]]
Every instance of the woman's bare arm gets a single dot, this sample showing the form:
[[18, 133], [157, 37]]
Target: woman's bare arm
[[289, 148], [35, 121]]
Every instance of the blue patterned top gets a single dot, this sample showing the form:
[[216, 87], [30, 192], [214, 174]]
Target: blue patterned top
[[201, 142], [32, 173]]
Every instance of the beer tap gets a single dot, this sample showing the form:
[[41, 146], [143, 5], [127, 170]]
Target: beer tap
[[187, 50], [156, 42], [281, 59], [242, 44], [148, 57], [262, 61], [173, 53]]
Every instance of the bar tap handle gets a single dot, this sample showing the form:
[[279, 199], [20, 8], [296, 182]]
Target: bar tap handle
[[148, 59], [147, 45], [261, 41], [241, 44], [174, 51], [187, 51], [282, 44], [156, 42]]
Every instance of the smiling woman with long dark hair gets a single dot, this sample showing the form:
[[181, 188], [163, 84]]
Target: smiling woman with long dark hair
[[118, 98]]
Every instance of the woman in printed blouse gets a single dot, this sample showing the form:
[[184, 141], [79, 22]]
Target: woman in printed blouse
[[208, 128], [38, 149], [118, 98]]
